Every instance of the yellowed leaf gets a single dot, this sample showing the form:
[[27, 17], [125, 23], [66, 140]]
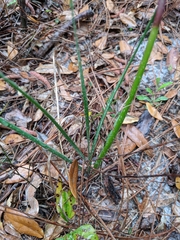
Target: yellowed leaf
[[125, 48], [153, 111], [101, 43], [22, 174], [130, 119], [2, 85], [128, 20], [176, 127], [110, 5], [12, 51], [13, 138], [177, 182], [73, 176], [22, 223], [171, 93], [38, 115]]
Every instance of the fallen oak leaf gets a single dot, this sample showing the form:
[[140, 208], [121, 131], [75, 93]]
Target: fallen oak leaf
[[176, 127], [22, 223], [153, 111], [73, 176]]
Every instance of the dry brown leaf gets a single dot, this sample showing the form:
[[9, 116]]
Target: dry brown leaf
[[18, 118], [138, 138], [165, 39], [161, 48], [13, 138], [125, 48], [2, 85], [12, 51], [22, 174], [43, 79], [155, 55], [72, 67], [107, 55], [110, 5], [177, 72], [130, 119], [128, 147], [171, 93], [171, 60], [49, 68], [153, 111], [111, 79], [142, 206], [101, 43], [126, 19], [85, 8], [38, 115], [22, 223], [76, 125], [176, 127], [30, 191], [73, 176]]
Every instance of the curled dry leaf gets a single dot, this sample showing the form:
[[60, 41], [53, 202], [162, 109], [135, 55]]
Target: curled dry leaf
[[22, 223], [101, 43], [126, 19], [30, 192], [22, 174], [171, 60], [73, 176], [153, 111], [176, 127], [130, 119], [13, 138]]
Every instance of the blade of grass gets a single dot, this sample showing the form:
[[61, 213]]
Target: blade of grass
[[34, 139], [147, 52], [31, 99], [117, 87], [83, 87]]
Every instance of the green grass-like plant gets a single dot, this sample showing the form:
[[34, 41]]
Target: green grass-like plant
[[113, 133]]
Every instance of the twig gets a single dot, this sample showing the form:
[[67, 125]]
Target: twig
[[55, 38]]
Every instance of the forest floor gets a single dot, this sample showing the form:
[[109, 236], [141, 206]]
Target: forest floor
[[135, 193]]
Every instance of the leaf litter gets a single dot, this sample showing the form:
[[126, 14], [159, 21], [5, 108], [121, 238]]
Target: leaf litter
[[143, 205]]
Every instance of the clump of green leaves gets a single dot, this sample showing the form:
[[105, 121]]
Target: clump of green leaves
[[155, 96]]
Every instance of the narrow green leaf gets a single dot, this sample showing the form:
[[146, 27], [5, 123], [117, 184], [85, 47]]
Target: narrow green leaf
[[149, 90], [111, 97], [83, 87], [162, 98], [131, 96], [143, 98], [33, 139], [48, 115], [165, 85], [158, 81]]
